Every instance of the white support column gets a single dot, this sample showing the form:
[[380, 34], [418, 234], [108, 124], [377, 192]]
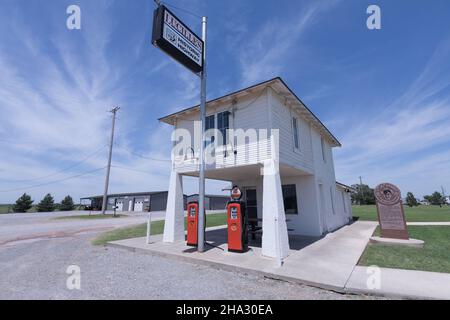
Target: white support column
[[274, 243], [174, 224]]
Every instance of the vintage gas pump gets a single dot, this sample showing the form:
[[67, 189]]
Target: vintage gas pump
[[237, 222], [192, 223]]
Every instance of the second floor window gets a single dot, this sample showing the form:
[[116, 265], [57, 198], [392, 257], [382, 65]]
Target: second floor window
[[223, 124], [295, 133], [322, 144], [210, 124]]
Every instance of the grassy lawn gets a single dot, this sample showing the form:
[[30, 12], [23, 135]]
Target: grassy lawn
[[91, 217], [140, 230], [434, 256], [5, 208], [415, 214]]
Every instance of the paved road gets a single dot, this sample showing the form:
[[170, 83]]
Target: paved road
[[26, 226], [37, 270]]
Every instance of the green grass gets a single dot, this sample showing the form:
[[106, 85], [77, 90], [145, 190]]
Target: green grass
[[415, 214], [140, 230], [5, 208], [434, 256], [91, 217]]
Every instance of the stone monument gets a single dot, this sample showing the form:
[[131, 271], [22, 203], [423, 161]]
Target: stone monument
[[390, 212]]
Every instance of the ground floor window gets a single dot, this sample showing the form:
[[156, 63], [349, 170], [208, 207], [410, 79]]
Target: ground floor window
[[290, 199]]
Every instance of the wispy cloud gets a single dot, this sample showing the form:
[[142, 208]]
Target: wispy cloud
[[55, 96], [408, 139], [262, 55]]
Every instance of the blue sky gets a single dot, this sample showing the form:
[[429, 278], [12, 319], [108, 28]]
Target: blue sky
[[383, 93]]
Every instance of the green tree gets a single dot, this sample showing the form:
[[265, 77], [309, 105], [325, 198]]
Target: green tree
[[363, 195], [435, 199], [47, 204], [411, 201], [67, 204], [23, 204]]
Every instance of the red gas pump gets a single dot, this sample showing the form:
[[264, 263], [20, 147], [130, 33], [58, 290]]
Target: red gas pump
[[237, 222], [192, 223]]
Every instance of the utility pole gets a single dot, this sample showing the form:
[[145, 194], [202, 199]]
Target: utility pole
[[444, 200], [201, 191], [360, 191], [108, 168]]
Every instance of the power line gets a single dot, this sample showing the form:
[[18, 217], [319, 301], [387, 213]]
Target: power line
[[249, 104], [159, 2], [131, 169], [55, 181], [148, 158], [182, 9], [59, 171]]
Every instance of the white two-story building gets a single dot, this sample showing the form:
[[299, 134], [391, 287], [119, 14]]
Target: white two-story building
[[267, 142]]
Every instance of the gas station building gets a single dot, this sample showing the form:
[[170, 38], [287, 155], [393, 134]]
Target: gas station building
[[290, 188]]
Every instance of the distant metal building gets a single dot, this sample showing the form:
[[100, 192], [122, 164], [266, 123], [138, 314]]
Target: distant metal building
[[138, 201], [212, 202], [149, 201]]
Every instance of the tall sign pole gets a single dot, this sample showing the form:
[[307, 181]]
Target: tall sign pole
[[201, 191], [178, 41], [108, 168]]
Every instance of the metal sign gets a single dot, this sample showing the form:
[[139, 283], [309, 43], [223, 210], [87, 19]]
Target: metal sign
[[174, 38]]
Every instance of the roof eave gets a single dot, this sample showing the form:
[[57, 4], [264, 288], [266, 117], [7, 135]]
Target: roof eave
[[170, 119]]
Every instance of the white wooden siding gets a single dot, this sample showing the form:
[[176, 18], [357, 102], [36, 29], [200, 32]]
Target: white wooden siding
[[250, 112], [282, 120]]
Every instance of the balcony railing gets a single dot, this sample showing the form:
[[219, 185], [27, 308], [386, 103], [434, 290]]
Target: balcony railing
[[217, 157]]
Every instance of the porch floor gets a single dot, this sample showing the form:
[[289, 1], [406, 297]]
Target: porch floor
[[324, 262]]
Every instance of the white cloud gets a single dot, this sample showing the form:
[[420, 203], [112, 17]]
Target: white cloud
[[55, 106], [408, 142], [263, 55]]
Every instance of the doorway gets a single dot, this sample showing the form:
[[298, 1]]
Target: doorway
[[139, 206], [251, 203], [130, 205], [119, 206]]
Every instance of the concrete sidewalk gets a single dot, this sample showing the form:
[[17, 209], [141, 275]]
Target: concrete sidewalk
[[326, 262], [400, 283], [428, 223], [329, 262]]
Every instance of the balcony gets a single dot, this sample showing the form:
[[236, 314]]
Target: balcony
[[227, 156]]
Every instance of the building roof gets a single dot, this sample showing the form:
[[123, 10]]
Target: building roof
[[129, 194], [281, 88], [150, 193], [344, 186]]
